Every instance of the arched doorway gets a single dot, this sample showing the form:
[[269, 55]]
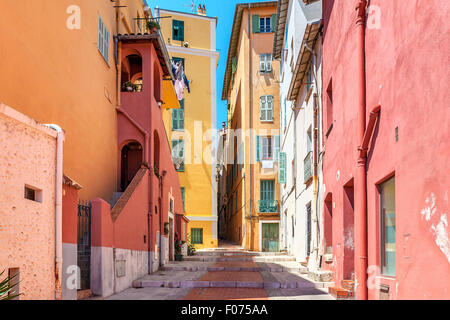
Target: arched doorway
[[131, 160]]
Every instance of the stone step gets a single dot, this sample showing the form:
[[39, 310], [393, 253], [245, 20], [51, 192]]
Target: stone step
[[321, 275], [234, 268], [340, 293], [225, 284], [243, 258], [239, 253]]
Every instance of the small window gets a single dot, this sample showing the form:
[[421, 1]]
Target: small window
[[387, 221], [103, 39], [197, 235], [265, 63], [171, 205], [183, 196], [178, 154], [265, 24], [178, 117], [178, 30], [266, 108], [33, 194], [329, 107], [267, 148]]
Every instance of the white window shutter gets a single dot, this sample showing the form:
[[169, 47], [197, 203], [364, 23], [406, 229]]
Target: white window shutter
[[269, 63]]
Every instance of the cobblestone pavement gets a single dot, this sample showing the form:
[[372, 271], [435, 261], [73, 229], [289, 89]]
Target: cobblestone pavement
[[228, 274]]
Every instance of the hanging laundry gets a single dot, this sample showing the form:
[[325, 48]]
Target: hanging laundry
[[181, 82]]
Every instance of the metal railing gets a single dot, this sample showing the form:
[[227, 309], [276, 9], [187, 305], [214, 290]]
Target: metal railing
[[268, 206], [308, 166]]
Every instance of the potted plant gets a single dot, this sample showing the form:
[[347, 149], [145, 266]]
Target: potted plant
[[178, 254], [129, 86], [191, 247], [152, 25]]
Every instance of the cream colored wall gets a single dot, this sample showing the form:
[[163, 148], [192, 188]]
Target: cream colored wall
[[27, 228], [57, 75]]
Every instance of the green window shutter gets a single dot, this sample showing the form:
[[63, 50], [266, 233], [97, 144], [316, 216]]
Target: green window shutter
[[282, 168], [174, 119], [277, 148], [274, 22], [100, 34], [183, 197], [258, 149], [269, 108], [255, 23], [178, 30], [197, 235], [234, 65], [178, 117]]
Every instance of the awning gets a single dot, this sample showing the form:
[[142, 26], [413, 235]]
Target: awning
[[169, 97]]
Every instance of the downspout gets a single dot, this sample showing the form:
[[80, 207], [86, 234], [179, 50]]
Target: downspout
[[361, 178], [58, 209], [250, 123]]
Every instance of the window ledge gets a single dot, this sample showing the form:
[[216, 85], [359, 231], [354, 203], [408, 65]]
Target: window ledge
[[267, 121]]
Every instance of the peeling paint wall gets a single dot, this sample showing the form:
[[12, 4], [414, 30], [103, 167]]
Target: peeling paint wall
[[27, 228]]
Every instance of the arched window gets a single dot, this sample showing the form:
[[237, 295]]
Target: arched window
[[131, 75]]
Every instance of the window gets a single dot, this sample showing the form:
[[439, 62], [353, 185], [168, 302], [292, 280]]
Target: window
[[197, 236], [265, 63], [176, 60], [329, 107], [183, 197], [266, 108], [387, 226], [265, 24], [171, 205], [178, 117], [178, 154], [103, 40], [32, 194], [308, 229], [178, 30], [267, 148], [267, 190], [266, 144], [309, 79]]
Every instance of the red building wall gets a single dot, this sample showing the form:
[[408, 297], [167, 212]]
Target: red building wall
[[407, 73]]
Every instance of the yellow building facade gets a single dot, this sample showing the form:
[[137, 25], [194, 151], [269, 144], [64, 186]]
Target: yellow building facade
[[191, 38], [251, 87], [52, 70]]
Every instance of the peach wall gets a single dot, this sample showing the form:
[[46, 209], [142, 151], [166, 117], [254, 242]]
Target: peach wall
[[67, 80], [27, 228]]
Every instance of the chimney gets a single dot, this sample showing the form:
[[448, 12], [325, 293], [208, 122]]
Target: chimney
[[201, 10]]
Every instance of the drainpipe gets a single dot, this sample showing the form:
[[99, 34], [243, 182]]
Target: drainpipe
[[58, 210], [361, 178], [250, 122]]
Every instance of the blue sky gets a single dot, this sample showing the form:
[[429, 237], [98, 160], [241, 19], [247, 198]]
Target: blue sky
[[224, 10]]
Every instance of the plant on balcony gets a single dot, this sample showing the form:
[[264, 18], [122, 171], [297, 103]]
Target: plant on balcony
[[6, 286], [152, 25], [129, 86]]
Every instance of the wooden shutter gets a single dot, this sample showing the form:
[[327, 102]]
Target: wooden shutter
[[262, 63], [269, 113], [276, 148], [269, 63], [183, 197], [258, 149], [106, 44], [255, 23], [263, 108], [234, 65], [274, 22], [282, 168], [100, 34]]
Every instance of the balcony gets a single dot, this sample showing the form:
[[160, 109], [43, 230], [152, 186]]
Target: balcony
[[268, 206], [308, 167]]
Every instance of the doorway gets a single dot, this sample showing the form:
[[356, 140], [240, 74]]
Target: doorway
[[131, 160], [270, 236], [348, 236]]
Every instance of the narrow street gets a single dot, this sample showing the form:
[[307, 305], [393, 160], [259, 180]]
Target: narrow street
[[228, 273]]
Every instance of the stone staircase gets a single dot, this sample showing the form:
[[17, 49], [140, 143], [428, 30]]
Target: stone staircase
[[234, 269]]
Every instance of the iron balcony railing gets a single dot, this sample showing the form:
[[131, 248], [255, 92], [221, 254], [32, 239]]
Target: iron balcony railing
[[308, 166], [268, 206]]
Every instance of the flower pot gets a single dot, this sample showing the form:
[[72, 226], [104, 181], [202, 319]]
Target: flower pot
[[178, 257], [129, 89]]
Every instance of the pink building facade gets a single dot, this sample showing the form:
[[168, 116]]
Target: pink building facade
[[134, 233], [387, 144]]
